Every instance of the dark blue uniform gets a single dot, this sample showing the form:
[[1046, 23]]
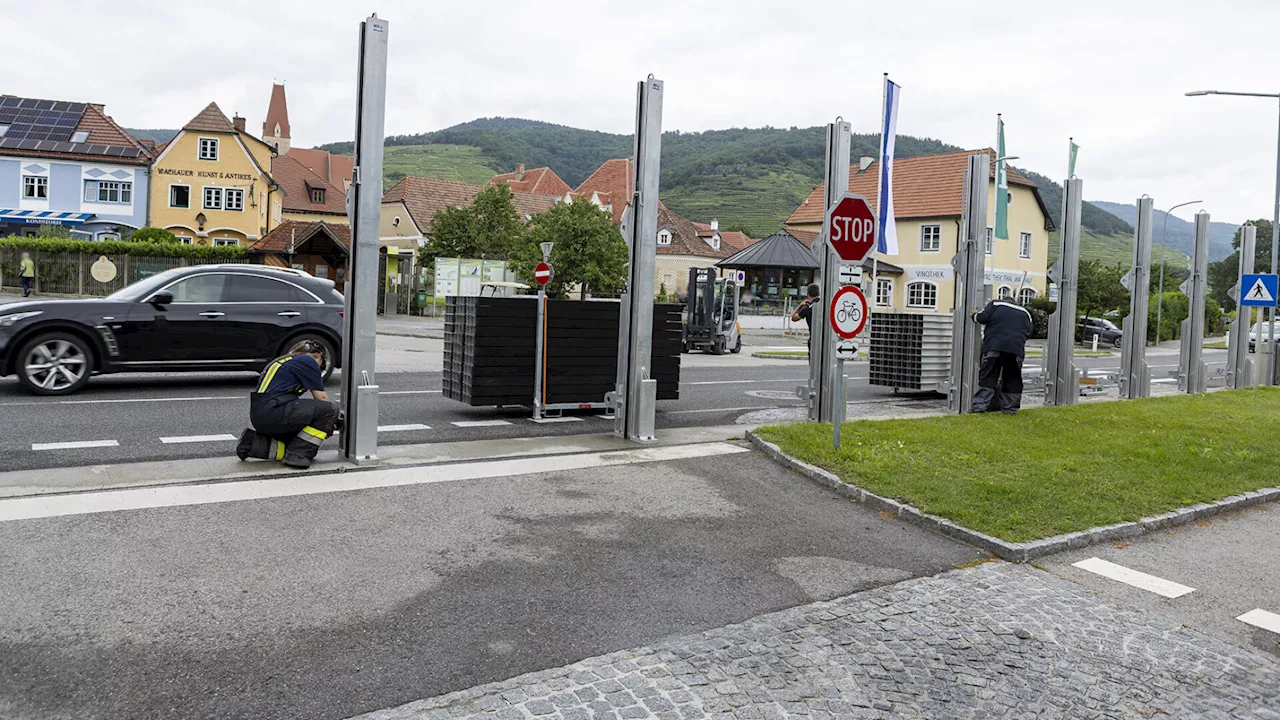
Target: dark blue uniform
[[288, 427], [1004, 344]]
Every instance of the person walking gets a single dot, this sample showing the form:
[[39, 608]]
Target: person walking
[[27, 271], [286, 426], [1007, 325]]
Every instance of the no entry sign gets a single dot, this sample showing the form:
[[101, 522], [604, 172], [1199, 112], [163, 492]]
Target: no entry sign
[[542, 273], [848, 312], [853, 227]]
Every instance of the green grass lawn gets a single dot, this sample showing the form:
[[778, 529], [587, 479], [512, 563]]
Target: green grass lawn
[[1215, 346], [1049, 471]]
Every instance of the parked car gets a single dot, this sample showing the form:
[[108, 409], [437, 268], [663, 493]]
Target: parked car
[[202, 318], [1260, 332], [1105, 330]]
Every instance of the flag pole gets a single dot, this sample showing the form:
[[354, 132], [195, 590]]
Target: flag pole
[[998, 165], [875, 251]]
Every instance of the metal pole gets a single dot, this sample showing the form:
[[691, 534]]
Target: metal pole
[[635, 398], [364, 208], [1164, 242], [1238, 366], [822, 350], [968, 268], [1272, 368], [1062, 381], [1191, 368], [1135, 377]]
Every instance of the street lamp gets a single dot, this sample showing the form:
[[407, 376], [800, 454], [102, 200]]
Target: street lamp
[[1275, 224], [1164, 242]]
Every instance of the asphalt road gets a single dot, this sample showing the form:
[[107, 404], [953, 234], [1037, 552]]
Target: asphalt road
[[330, 605], [155, 417]]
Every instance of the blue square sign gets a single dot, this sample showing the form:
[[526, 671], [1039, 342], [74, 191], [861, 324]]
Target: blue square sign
[[1259, 290]]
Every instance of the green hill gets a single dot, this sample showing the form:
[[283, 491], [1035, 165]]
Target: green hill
[[1113, 250], [464, 163]]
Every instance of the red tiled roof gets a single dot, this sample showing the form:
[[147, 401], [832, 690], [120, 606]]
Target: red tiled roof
[[294, 233], [736, 240], [104, 131], [277, 112], [685, 237], [612, 183], [540, 181], [210, 119], [923, 187], [336, 169], [297, 181], [425, 196]]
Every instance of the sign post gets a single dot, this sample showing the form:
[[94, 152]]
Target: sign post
[[852, 235], [1240, 372], [542, 273], [823, 375]]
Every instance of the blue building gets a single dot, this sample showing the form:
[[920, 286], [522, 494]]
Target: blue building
[[68, 164]]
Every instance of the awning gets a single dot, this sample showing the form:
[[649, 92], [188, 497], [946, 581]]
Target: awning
[[38, 217]]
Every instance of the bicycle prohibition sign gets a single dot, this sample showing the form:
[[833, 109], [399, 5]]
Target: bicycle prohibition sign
[[848, 312]]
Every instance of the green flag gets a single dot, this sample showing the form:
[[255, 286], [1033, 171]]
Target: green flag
[[1071, 163], [1002, 185]]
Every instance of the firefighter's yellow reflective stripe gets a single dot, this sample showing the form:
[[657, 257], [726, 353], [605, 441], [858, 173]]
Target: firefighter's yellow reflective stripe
[[279, 449], [314, 432], [270, 374]]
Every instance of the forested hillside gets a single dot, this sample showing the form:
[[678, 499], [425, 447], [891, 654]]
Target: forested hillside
[[1181, 232]]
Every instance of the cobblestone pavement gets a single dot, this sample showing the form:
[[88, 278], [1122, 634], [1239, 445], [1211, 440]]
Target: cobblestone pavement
[[996, 641]]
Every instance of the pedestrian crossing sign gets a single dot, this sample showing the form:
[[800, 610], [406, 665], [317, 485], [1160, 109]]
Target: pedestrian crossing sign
[[1259, 290]]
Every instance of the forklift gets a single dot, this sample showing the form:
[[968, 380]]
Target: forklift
[[711, 314]]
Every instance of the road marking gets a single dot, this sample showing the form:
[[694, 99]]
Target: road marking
[[1120, 573], [1261, 618], [75, 445], [28, 508], [410, 392], [196, 438], [707, 410], [561, 419], [403, 428], [740, 382], [480, 423], [606, 416], [125, 400], [1164, 380]]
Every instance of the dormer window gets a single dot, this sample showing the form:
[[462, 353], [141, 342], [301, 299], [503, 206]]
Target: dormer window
[[664, 237], [714, 241], [317, 196]]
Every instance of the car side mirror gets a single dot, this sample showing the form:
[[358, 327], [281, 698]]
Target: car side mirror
[[161, 299]]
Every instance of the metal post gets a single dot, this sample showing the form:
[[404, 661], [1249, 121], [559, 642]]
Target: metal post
[[540, 345], [1273, 369], [970, 280], [364, 209], [1135, 376], [1239, 366], [1192, 375], [636, 395], [824, 405], [1062, 382]]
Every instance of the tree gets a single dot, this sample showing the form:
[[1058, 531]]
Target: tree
[[588, 251], [1100, 291], [153, 235], [489, 228], [1224, 273]]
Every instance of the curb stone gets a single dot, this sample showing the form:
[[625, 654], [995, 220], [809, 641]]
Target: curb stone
[[1011, 551]]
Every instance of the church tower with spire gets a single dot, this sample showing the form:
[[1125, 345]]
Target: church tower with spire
[[275, 130]]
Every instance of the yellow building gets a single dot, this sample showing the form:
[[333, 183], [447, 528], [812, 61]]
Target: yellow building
[[210, 185], [927, 200]]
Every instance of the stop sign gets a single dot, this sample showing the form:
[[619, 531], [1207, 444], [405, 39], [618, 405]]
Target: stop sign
[[853, 227]]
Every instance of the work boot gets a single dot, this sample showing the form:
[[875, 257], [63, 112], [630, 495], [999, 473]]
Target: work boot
[[254, 444], [302, 449], [1012, 403], [296, 460]]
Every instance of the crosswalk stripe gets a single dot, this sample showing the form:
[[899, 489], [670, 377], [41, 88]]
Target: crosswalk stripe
[[196, 438], [479, 423], [403, 428], [1262, 619], [1128, 576], [75, 445], [561, 419]]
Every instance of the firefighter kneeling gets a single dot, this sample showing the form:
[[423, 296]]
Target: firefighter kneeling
[[286, 426]]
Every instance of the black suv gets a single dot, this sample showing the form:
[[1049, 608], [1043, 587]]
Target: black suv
[[207, 317], [1107, 332]]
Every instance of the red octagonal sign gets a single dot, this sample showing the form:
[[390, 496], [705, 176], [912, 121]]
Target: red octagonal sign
[[853, 227]]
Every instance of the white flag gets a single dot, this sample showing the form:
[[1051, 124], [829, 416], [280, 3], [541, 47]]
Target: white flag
[[888, 244]]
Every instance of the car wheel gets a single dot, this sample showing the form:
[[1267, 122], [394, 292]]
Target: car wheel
[[1118, 342], [54, 364], [329, 358]]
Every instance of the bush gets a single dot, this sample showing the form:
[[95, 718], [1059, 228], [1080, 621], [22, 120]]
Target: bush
[[153, 235], [1040, 309], [117, 247]]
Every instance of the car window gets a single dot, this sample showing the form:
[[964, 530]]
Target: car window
[[252, 288], [199, 289]]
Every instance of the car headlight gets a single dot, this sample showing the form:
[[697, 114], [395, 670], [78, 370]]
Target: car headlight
[[10, 320]]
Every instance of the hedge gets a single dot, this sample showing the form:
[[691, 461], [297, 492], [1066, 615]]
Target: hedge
[[116, 247]]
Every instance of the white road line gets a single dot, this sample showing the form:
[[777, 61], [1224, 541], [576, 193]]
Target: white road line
[[196, 439], [410, 392], [28, 508], [561, 419], [75, 445], [606, 416], [741, 382], [403, 428], [1120, 573], [707, 410], [1165, 380], [480, 423], [1261, 618]]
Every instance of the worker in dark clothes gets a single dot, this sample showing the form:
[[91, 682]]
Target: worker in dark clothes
[[1007, 325], [287, 426], [805, 308]]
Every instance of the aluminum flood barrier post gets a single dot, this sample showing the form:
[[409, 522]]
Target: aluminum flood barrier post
[[1240, 371], [1192, 373], [1135, 375], [635, 397], [359, 438], [970, 280], [825, 387], [1062, 382]]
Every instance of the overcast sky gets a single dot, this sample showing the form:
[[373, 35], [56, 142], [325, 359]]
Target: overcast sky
[[1112, 74]]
